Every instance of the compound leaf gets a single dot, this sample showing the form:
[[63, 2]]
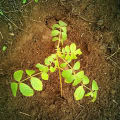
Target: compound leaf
[[14, 87], [76, 65], [30, 72], [55, 32], [36, 83], [79, 93], [26, 90], [18, 75], [44, 76], [62, 24], [94, 85], [85, 80]]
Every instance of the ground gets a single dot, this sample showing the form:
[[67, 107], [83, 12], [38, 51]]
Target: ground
[[94, 25]]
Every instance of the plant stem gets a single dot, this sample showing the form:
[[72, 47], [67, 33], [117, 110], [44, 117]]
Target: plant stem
[[30, 77]]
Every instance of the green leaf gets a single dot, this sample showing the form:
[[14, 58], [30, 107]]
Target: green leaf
[[30, 72], [53, 56], [62, 24], [79, 93], [26, 90], [76, 66], [67, 73], [94, 96], [78, 78], [24, 1], [63, 65], [73, 47], [55, 39], [18, 75], [55, 26], [14, 87], [52, 69], [36, 83], [4, 48], [42, 68], [67, 57], [47, 62], [78, 52], [63, 50], [36, 1], [85, 80], [67, 49], [89, 94], [64, 29], [55, 32], [94, 85], [70, 79], [44, 76], [1, 12], [64, 36]]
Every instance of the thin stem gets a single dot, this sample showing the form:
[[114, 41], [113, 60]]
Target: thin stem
[[30, 77]]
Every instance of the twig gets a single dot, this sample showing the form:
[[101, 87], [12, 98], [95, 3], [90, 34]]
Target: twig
[[113, 53], [25, 114], [1, 34]]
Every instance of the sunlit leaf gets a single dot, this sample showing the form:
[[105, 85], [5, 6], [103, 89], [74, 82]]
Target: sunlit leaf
[[53, 56], [1, 13], [36, 1], [89, 94], [30, 72], [47, 62], [14, 87], [78, 78], [55, 39], [78, 52], [52, 69], [70, 79], [36, 83], [67, 49], [94, 96], [18, 75], [62, 24], [67, 73], [79, 93], [24, 1], [26, 90], [94, 85], [73, 47], [64, 29], [55, 32], [85, 80], [63, 65], [4, 48], [76, 66], [55, 26], [42, 68], [64, 36], [44, 76]]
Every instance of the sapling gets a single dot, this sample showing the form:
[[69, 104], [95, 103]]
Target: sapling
[[59, 61]]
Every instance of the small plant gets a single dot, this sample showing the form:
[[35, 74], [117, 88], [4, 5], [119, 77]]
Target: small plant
[[25, 1], [59, 61]]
